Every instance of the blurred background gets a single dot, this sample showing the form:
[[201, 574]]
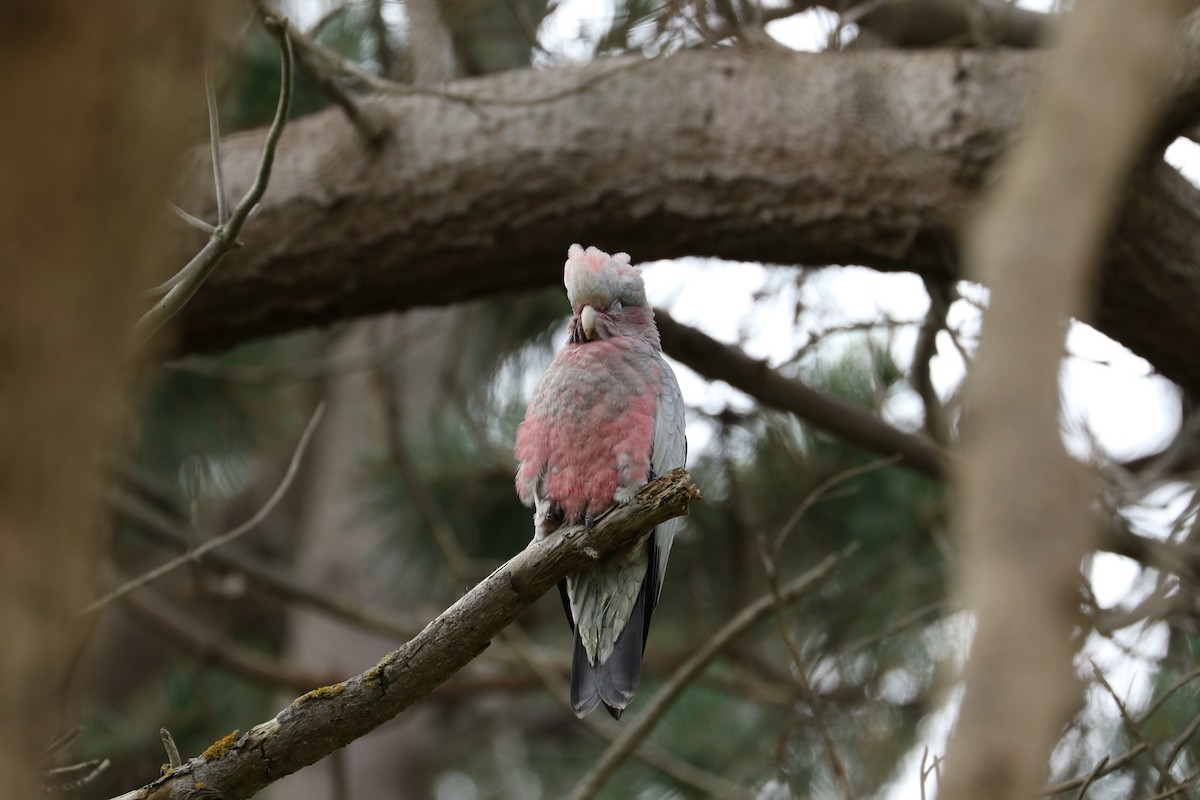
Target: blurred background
[[840, 694]]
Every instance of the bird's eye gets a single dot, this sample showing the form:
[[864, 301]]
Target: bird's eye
[[616, 306]]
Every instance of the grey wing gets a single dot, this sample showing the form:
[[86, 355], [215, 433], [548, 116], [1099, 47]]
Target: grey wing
[[668, 452]]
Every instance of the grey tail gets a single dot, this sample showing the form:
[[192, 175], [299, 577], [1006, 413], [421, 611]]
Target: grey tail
[[615, 681]]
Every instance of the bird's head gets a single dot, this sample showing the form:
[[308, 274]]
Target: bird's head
[[607, 296]]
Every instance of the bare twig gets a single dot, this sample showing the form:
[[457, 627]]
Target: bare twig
[[381, 84], [210, 646], [1174, 791], [73, 776], [225, 235], [173, 759], [226, 537], [1167, 693], [906, 621], [271, 579], [196, 223], [1177, 748], [1111, 765], [770, 560], [630, 737], [370, 127], [1091, 777], [817, 492], [926, 771], [923, 354], [214, 138], [1133, 727], [327, 719], [60, 744]]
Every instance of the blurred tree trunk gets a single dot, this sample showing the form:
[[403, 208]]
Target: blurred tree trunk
[[96, 97], [339, 550]]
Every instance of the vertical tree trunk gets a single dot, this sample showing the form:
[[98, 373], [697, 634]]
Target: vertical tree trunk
[[95, 97]]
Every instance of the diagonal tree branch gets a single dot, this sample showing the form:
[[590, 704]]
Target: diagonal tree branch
[[718, 361], [329, 718]]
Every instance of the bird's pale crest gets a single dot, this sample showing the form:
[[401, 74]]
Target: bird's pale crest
[[593, 277]]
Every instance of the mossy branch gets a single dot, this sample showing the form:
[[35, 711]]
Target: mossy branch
[[331, 717]]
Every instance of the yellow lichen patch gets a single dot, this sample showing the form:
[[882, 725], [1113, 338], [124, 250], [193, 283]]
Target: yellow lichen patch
[[199, 785], [321, 692], [375, 673], [220, 747]]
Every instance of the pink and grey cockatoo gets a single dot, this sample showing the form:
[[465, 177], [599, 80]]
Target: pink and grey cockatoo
[[605, 419]]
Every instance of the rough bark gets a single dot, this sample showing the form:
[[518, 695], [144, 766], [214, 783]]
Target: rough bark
[[870, 158], [324, 720]]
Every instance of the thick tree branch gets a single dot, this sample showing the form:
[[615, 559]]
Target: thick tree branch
[[327, 719], [718, 361], [932, 23], [869, 158]]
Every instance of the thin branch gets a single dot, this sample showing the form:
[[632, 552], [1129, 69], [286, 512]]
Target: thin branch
[[1111, 766], [173, 759], [891, 629], [224, 538], [1134, 729], [591, 783], [381, 84], [924, 352], [770, 560], [1178, 684], [370, 127], [61, 779], [817, 492], [1177, 748], [60, 744], [196, 223], [211, 646], [801, 673], [225, 235], [1091, 777], [214, 138], [329, 718], [267, 577], [1174, 791]]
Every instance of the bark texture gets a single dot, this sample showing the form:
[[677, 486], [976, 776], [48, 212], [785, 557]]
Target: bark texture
[[866, 158]]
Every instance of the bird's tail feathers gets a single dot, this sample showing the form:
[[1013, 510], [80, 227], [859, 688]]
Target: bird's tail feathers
[[615, 681]]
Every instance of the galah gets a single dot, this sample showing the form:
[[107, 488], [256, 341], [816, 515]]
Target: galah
[[605, 419]]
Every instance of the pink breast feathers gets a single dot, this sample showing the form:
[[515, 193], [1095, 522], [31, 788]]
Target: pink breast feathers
[[590, 427]]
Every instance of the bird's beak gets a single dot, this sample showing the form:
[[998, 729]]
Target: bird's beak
[[587, 317]]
